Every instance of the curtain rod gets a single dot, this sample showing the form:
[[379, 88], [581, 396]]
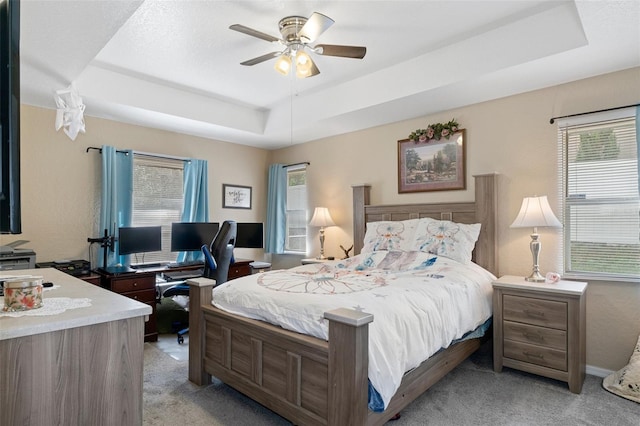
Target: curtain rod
[[146, 154], [306, 163], [553, 119]]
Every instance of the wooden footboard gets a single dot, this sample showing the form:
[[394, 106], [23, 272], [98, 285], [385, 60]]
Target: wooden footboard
[[306, 380]]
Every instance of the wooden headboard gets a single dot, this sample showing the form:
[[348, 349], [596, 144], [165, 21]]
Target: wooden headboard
[[483, 210]]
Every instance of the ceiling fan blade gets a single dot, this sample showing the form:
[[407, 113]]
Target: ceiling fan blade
[[260, 59], [356, 52], [315, 25], [253, 33]]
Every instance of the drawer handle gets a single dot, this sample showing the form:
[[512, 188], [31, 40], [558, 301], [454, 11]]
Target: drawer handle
[[532, 355], [533, 336], [135, 284], [135, 297], [537, 314]]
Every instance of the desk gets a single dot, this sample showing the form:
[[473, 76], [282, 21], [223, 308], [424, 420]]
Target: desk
[[81, 367], [141, 286]]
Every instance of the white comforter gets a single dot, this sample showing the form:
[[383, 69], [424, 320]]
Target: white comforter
[[420, 304]]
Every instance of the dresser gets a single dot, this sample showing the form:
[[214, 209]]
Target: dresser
[[140, 286], [77, 367], [540, 328]]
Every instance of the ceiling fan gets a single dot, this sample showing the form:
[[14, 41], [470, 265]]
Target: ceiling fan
[[297, 35]]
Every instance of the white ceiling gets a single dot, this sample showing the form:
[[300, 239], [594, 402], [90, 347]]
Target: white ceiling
[[175, 65]]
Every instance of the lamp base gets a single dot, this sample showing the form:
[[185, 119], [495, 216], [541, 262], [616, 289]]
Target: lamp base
[[535, 277]]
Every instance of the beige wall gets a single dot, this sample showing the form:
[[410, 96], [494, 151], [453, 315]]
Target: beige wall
[[511, 136], [61, 181]]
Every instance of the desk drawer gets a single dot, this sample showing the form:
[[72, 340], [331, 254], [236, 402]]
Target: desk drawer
[[538, 355], [528, 310], [147, 296], [124, 285], [535, 335]]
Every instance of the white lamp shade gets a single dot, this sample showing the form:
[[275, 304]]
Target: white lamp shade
[[321, 217], [534, 212]]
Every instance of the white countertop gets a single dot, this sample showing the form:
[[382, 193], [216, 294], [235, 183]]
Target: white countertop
[[105, 306]]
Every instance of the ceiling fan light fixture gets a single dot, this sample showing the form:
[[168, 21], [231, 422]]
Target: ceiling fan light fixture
[[283, 64], [307, 68]]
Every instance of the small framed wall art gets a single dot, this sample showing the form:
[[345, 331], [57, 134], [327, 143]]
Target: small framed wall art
[[432, 165], [236, 196]]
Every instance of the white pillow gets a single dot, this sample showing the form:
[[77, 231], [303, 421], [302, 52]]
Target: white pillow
[[445, 238], [390, 235]]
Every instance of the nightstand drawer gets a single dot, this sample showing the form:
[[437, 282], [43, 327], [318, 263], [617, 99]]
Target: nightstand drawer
[[132, 284], [538, 355], [528, 310], [535, 335]]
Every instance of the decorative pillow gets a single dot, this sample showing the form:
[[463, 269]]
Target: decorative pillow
[[626, 381], [445, 238], [388, 235]]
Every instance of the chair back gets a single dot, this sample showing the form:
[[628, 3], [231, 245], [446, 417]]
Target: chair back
[[222, 251]]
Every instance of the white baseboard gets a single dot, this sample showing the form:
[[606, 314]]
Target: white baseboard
[[597, 371]]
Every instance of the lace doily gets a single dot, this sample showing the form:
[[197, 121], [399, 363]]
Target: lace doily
[[52, 306]]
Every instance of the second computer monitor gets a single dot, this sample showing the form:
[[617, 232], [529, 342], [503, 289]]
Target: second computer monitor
[[250, 235], [191, 236]]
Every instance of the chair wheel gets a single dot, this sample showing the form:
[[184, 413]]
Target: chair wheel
[[180, 340]]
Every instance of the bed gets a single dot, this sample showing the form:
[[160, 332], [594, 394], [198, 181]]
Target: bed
[[315, 381]]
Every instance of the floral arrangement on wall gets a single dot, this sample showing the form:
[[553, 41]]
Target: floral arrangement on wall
[[435, 131]]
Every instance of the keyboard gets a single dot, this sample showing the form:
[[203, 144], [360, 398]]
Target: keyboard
[[183, 264], [183, 275], [148, 266]]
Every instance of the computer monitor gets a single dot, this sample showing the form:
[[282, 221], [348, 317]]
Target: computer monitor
[[139, 239], [250, 235], [191, 236]]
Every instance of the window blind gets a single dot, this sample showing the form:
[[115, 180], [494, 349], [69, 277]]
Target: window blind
[[296, 224], [157, 200], [601, 196]]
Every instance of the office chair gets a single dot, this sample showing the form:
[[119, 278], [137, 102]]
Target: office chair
[[217, 259]]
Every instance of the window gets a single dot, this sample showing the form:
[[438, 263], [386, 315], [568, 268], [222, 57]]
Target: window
[[157, 200], [601, 196], [296, 233]]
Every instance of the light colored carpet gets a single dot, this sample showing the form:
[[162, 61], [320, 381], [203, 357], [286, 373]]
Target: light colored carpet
[[472, 394]]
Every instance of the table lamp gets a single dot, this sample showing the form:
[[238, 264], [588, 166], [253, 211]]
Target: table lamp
[[535, 212], [321, 218]]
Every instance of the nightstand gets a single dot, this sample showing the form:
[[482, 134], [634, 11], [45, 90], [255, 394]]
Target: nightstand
[[313, 260], [540, 328]]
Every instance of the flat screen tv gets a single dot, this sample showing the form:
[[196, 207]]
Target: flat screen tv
[[139, 239], [250, 235], [191, 236], [10, 222]]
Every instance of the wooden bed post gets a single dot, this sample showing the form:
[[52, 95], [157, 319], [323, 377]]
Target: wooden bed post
[[199, 293], [361, 195], [487, 214], [348, 367]]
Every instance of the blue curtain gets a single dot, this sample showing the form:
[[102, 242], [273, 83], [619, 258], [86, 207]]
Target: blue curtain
[[117, 197], [196, 200], [276, 209]]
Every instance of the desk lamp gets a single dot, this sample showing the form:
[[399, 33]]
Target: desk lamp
[[535, 212], [321, 218]]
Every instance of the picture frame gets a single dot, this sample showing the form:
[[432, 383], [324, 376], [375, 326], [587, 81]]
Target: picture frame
[[432, 165], [236, 196]]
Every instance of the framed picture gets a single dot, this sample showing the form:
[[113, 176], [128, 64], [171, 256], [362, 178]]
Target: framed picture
[[432, 165], [236, 196]]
